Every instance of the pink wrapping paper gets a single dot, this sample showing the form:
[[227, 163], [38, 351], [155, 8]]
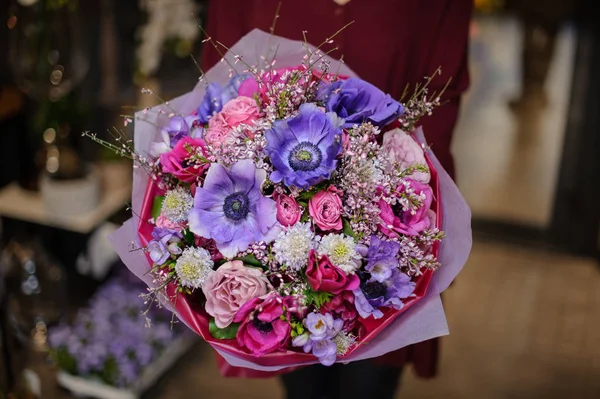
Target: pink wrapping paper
[[423, 321]]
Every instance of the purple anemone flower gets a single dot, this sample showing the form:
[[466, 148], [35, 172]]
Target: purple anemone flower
[[358, 101], [373, 294], [381, 258], [216, 96], [230, 209], [303, 149]]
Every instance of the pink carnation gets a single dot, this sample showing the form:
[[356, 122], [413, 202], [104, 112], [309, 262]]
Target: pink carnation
[[231, 286], [162, 222]]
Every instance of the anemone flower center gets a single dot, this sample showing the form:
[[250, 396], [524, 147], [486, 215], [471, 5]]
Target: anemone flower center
[[236, 206], [262, 326], [374, 289], [305, 157]]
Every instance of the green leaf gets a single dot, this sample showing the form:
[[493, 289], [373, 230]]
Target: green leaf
[[317, 298], [188, 237], [251, 260], [157, 206], [348, 229], [228, 332]]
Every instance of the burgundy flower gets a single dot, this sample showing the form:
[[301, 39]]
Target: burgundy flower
[[262, 329], [211, 246], [342, 307], [323, 276]]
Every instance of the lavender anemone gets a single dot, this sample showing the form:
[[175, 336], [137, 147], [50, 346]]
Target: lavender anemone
[[373, 294], [230, 209], [303, 149]]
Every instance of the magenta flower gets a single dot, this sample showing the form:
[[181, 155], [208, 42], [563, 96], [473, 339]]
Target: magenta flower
[[230, 209], [262, 329], [187, 161], [409, 222]]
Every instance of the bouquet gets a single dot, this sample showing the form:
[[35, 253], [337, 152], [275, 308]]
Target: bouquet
[[293, 214]]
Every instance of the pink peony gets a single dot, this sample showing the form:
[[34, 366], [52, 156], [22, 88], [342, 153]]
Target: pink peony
[[326, 209], [162, 222], [231, 286], [240, 110], [403, 222], [323, 276], [405, 151], [288, 210], [262, 329], [342, 307], [187, 160]]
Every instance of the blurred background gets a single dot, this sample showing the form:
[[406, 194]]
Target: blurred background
[[524, 314]]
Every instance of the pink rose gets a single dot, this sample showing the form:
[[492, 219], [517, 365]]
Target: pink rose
[[240, 110], [162, 222], [262, 329], [402, 149], [404, 222], [288, 210], [323, 276], [187, 160], [342, 307], [231, 286], [326, 209]]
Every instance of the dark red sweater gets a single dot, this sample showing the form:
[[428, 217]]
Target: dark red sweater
[[391, 43]]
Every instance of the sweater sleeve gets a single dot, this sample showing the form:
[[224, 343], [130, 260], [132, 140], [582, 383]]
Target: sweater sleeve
[[449, 50]]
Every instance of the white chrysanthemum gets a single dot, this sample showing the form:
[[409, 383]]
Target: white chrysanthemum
[[341, 250], [177, 204], [343, 342], [293, 246], [193, 267]]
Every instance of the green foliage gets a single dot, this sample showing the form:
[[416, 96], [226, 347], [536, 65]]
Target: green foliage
[[348, 229], [64, 360], [188, 237], [251, 260], [228, 332], [317, 298], [157, 206]]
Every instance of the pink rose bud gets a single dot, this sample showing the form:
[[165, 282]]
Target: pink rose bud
[[326, 209], [288, 210], [323, 276]]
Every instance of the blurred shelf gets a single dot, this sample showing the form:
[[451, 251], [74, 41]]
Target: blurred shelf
[[115, 189]]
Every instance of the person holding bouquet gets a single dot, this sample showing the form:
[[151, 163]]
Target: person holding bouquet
[[392, 44]]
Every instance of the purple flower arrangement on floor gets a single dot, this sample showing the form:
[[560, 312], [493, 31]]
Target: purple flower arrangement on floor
[[108, 340]]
